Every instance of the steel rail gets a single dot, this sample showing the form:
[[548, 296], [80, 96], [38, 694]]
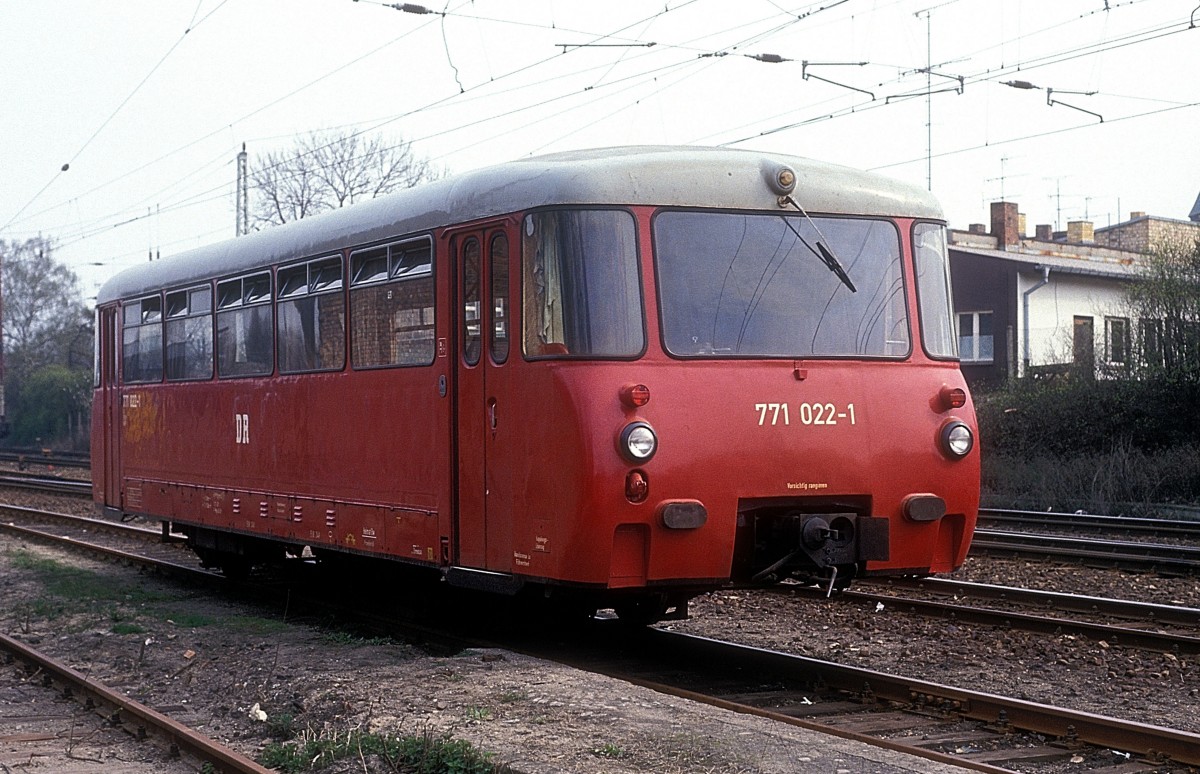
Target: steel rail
[[811, 725], [1075, 603], [1093, 522], [179, 736], [1140, 638], [88, 522], [677, 649], [108, 552], [44, 484], [1185, 559], [47, 457], [1099, 730]]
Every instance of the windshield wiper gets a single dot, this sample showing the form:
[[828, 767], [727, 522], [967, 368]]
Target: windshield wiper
[[821, 251]]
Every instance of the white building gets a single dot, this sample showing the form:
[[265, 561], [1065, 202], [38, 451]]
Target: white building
[[1051, 303]]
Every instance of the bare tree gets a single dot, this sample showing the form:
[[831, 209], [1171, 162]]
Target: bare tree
[[327, 170], [47, 346], [44, 312], [1167, 301]]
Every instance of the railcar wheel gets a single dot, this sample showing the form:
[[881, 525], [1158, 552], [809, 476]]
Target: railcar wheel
[[641, 611], [235, 567]]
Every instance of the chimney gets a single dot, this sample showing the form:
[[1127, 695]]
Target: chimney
[[1045, 232], [1021, 225], [1005, 224], [977, 228], [1080, 231], [1136, 214]]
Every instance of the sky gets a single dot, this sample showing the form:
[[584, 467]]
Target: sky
[[121, 121]]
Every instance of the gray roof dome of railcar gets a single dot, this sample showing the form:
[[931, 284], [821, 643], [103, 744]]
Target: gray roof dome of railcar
[[654, 175]]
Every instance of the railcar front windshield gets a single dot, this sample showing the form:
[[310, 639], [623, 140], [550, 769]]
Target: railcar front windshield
[[756, 285]]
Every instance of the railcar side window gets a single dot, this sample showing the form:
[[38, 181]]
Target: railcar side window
[[142, 341], [245, 340], [391, 305], [756, 285], [311, 317], [581, 289], [189, 332], [933, 290]]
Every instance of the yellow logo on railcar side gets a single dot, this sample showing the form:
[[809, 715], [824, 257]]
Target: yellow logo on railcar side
[[139, 417]]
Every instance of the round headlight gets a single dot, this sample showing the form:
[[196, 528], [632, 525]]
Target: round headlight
[[638, 441], [957, 440]]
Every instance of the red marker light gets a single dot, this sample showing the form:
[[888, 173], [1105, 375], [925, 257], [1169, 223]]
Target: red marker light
[[637, 486], [635, 395], [952, 397]]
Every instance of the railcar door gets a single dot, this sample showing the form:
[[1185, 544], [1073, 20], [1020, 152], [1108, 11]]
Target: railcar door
[[483, 536], [111, 409]]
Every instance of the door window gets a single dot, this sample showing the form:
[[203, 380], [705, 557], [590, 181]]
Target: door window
[[498, 261], [471, 302]]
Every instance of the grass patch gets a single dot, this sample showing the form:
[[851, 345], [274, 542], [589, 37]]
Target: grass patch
[[127, 628], [68, 582], [282, 726], [69, 590], [186, 620], [1121, 480], [253, 624], [426, 754], [353, 640], [610, 751]]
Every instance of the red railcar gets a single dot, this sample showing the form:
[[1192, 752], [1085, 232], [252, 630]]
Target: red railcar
[[622, 376]]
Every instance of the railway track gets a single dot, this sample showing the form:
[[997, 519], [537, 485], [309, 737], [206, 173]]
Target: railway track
[[1179, 528], [45, 483], [920, 717], [895, 592], [1123, 554], [959, 602], [1092, 539], [903, 712], [109, 709], [62, 459]]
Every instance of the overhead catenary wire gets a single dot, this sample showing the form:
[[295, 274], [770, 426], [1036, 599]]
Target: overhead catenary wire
[[1144, 36], [344, 66], [479, 90], [191, 26], [815, 8]]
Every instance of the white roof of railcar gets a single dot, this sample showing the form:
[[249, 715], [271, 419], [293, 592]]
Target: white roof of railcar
[[652, 175]]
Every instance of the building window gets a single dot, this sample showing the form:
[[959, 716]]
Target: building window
[[1116, 339], [1083, 344], [1152, 341], [975, 340]]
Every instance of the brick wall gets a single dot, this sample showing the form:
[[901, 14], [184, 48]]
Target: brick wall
[[1141, 234]]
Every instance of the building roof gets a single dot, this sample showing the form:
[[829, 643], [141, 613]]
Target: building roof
[[1156, 218], [1032, 256], [1194, 215]]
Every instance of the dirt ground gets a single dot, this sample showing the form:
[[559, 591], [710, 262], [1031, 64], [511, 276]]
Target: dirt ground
[[246, 676], [209, 662]]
